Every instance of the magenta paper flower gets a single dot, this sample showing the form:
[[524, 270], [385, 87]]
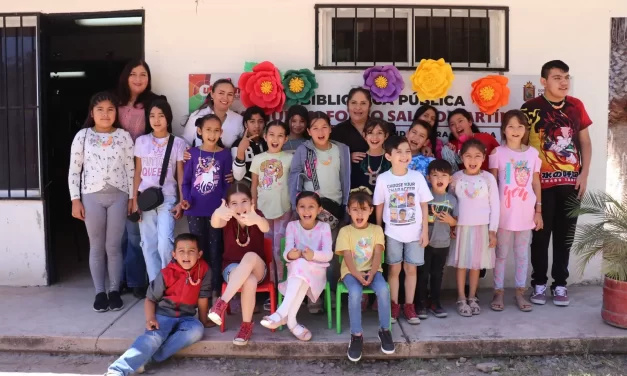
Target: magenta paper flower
[[384, 82]]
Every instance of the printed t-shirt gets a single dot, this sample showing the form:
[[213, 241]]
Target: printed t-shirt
[[515, 175], [555, 134], [151, 150], [365, 172], [254, 148], [401, 197], [420, 163], [361, 243], [204, 183], [328, 171], [487, 140], [273, 197], [440, 232]]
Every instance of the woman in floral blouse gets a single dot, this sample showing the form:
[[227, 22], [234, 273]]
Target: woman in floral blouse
[[101, 171]]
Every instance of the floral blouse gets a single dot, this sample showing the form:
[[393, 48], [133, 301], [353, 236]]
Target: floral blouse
[[103, 158]]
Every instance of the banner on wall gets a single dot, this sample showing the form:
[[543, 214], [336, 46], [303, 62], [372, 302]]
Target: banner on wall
[[331, 97]]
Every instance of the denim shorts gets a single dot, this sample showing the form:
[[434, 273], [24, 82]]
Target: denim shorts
[[410, 253], [230, 267]]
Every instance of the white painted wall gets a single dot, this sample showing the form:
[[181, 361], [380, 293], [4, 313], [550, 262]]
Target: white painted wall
[[22, 243], [185, 36]]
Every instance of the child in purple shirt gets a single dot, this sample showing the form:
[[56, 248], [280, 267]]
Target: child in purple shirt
[[204, 184]]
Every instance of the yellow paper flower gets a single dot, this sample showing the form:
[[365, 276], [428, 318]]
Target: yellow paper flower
[[296, 85], [381, 82], [432, 79]]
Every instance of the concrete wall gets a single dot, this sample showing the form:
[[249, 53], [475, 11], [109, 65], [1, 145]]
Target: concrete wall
[[188, 36], [22, 243]]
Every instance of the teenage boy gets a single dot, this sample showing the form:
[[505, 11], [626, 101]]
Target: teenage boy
[[170, 309], [559, 131], [405, 237], [442, 217]]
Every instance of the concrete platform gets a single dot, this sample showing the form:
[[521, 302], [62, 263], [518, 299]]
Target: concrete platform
[[60, 319]]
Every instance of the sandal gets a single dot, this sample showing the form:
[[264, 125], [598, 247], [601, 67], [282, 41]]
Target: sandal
[[522, 303], [497, 301], [463, 309], [305, 335], [269, 323], [474, 306]]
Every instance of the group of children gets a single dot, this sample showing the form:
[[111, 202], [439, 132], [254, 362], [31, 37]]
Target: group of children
[[412, 208]]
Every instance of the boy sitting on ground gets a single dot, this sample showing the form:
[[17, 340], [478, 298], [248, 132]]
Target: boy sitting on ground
[[170, 308]]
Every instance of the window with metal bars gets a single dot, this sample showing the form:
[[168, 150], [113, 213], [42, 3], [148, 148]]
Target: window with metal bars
[[19, 108], [360, 36]]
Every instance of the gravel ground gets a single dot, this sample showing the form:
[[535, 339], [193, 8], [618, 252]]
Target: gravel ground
[[605, 365]]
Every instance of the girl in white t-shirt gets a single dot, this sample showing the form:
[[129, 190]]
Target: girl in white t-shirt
[[157, 225]]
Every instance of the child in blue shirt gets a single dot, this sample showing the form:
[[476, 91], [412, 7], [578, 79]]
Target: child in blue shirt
[[417, 136]]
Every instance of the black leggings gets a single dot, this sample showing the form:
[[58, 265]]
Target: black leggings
[[430, 275], [211, 245]]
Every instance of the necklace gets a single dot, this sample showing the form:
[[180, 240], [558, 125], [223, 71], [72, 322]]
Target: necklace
[[370, 169], [191, 281], [200, 157], [154, 142], [329, 159], [247, 236], [556, 105]]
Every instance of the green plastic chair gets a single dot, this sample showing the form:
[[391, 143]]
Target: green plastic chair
[[341, 289], [327, 291]]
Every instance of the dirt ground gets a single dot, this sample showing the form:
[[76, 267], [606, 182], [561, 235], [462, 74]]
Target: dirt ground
[[601, 365]]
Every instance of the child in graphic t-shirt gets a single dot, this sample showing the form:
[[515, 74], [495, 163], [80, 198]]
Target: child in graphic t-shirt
[[157, 225], [204, 185], [401, 196], [442, 216], [269, 172], [250, 144]]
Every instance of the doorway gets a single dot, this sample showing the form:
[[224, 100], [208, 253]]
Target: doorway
[[81, 54]]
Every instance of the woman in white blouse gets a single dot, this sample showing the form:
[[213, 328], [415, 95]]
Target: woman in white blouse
[[101, 189]]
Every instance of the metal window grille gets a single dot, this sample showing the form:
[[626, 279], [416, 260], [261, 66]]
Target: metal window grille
[[19, 107], [472, 38]]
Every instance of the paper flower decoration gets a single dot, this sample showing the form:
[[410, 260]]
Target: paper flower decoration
[[432, 79], [299, 86], [262, 87], [490, 93], [384, 82]]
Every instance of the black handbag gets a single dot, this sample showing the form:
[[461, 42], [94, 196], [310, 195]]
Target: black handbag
[[152, 197]]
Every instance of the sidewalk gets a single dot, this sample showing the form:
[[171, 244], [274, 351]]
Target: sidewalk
[[60, 319]]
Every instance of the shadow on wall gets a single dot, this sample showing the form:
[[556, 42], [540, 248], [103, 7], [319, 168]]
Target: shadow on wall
[[617, 122]]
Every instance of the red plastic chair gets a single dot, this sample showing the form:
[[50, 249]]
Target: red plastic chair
[[266, 286]]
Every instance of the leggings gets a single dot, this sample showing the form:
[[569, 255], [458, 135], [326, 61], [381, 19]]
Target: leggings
[[211, 245], [506, 241], [276, 233], [105, 220]]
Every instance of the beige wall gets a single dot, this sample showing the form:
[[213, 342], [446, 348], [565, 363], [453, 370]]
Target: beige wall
[[183, 37]]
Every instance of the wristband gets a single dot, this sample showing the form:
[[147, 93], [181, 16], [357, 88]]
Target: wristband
[[538, 204]]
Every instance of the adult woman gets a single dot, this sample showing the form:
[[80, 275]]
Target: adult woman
[[218, 102], [351, 131], [135, 95], [101, 188], [428, 113]]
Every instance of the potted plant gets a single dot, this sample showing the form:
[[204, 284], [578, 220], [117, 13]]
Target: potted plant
[[605, 236]]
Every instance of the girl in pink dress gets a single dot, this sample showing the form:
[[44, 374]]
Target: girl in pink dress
[[516, 167], [308, 250]]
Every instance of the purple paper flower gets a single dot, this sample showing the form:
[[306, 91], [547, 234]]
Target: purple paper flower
[[384, 82]]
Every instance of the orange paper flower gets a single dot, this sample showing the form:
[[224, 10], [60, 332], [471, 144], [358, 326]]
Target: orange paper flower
[[262, 87], [490, 93]]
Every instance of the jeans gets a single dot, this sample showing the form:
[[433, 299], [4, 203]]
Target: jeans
[[157, 233], [430, 274], [174, 334], [556, 203], [211, 245], [355, 288], [105, 213], [134, 263]]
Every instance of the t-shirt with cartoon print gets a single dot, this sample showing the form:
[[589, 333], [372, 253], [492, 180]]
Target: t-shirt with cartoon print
[[272, 169]]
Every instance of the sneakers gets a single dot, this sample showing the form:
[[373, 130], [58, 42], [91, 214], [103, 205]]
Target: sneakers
[[560, 296], [217, 311], [315, 308], [422, 312], [437, 310], [538, 296], [139, 292], [245, 331], [364, 302], [115, 302], [101, 303], [267, 305], [396, 312], [387, 344], [409, 311], [355, 348]]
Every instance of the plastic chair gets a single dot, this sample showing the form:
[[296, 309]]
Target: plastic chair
[[341, 289], [265, 286], [327, 291]]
